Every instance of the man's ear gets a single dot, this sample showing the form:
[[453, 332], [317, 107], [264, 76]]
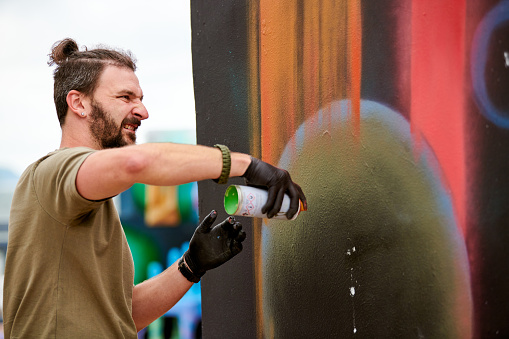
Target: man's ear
[[75, 102]]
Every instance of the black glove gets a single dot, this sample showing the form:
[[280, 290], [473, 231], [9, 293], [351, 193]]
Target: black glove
[[211, 247], [278, 182]]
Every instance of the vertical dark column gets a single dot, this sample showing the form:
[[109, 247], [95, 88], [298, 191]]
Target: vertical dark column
[[219, 47]]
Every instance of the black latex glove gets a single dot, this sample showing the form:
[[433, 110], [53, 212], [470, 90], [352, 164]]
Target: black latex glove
[[211, 247], [278, 182]]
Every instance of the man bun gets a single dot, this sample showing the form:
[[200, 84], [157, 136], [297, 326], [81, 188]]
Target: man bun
[[62, 50]]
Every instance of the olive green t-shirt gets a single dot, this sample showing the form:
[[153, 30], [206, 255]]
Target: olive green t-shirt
[[69, 272]]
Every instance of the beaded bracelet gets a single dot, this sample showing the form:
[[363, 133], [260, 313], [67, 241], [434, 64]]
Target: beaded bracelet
[[227, 163]]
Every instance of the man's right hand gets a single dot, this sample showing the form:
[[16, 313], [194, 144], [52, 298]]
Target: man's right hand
[[278, 182]]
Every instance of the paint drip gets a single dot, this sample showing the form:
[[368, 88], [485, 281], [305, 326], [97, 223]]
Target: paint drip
[[350, 252]]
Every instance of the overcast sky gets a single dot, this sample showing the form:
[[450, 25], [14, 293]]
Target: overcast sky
[[157, 32]]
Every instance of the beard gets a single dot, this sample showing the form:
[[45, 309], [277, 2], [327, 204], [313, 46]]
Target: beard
[[106, 132]]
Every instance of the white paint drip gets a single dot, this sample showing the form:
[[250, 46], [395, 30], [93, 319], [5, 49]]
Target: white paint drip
[[349, 252], [352, 294], [506, 56]]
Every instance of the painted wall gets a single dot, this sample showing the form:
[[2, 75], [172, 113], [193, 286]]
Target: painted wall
[[393, 116]]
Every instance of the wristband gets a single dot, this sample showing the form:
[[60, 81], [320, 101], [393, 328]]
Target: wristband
[[227, 163], [186, 272]]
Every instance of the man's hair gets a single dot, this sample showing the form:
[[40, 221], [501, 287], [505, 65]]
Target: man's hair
[[80, 70]]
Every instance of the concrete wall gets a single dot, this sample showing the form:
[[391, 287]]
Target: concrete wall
[[393, 116]]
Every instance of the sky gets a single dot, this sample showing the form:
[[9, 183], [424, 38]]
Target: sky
[[157, 32]]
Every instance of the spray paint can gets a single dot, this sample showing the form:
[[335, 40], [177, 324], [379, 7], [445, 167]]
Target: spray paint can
[[248, 201]]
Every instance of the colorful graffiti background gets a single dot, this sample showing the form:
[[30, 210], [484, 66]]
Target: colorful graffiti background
[[393, 117]]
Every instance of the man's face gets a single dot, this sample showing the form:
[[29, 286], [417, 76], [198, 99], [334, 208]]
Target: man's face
[[116, 108], [106, 132]]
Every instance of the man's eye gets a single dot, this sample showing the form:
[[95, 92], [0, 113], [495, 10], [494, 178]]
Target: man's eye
[[124, 97]]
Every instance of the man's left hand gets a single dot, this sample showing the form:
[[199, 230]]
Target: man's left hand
[[211, 247]]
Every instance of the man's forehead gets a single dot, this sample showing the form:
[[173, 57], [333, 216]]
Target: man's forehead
[[120, 79]]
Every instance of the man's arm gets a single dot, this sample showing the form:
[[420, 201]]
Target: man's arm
[[154, 297], [107, 173]]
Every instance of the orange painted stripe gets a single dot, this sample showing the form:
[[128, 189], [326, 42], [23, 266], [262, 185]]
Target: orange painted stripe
[[355, 61]]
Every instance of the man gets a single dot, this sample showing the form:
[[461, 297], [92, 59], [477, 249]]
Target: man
[[69, 272]]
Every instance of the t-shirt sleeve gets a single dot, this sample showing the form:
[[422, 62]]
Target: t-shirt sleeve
[[54, 181]]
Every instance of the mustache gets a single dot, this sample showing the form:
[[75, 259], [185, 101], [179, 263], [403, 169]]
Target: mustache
[[131, 121]]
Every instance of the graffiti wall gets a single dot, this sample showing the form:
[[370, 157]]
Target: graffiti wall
[[393, 116]]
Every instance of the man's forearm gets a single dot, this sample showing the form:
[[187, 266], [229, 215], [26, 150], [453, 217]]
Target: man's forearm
[[154, 297], [187, 163]]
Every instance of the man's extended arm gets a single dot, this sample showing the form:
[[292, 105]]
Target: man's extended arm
[[107, 173]]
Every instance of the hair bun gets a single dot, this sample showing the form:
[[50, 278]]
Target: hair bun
[[62, 50]]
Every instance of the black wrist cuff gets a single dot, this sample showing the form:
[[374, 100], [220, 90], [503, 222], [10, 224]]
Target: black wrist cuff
[[186, 272]]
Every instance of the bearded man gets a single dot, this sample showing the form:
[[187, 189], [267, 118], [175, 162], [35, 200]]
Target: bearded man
[[69, 271]]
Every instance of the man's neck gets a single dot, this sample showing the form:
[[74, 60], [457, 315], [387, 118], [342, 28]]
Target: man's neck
[[73, 138]]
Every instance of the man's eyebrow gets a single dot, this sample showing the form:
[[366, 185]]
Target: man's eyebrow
[[131, 93]]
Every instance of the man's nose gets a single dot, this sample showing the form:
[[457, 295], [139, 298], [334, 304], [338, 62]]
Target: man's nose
[[140, 111]]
